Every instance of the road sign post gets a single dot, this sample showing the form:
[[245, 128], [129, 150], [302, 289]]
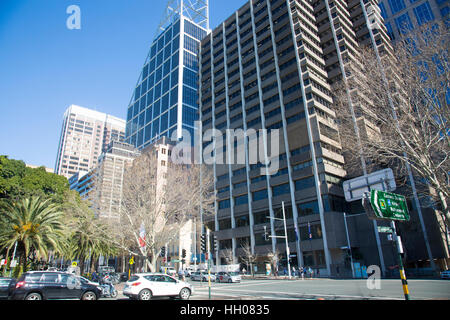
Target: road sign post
[[392, 207]]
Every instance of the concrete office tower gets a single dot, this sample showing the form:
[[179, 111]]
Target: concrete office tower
[[271, 66], [85, 135], [165, 97], [403, 15], [109, 178]]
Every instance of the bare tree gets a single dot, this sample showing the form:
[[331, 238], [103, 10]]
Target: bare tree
[[157, 201], [227, 254], [248, 257], [402, 113]]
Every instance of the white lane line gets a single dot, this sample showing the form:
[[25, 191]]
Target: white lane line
[[309, 294]]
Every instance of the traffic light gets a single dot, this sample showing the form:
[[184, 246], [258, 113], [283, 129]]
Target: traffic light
[[163, 251], [215, 244], [183, 253], [203, 242], [265, 234]]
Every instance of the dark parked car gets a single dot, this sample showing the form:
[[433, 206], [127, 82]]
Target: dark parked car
[[43, 285], [6, 287]]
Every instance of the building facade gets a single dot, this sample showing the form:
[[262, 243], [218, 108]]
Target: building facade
[[403, 15], [271, 66], [165, 98], [85, 135], [109, 178]]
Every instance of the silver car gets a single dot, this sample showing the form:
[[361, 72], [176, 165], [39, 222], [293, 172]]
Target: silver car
[[202, 276], [228, 277]]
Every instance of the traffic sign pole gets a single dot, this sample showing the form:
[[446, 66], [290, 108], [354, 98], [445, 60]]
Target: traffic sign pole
[[400, 262], [208, 245]]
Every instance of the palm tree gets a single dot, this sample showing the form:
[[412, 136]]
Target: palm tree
[[89, 240], [89, 237], [35, 224]]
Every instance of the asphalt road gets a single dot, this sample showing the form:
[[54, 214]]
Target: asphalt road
[[326, 289]]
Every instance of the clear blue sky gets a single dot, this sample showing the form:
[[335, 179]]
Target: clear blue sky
[[45, 67]]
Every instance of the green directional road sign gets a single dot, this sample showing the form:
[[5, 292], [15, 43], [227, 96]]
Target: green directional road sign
[[389, 206], [382, 229]]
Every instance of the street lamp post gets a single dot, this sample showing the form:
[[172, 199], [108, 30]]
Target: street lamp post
[[286, 239], [349, 246]]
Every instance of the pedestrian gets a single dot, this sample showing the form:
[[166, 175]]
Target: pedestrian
[[318, 273], [310, 272], [244, 271], [94, 276], [302, 273], [284, 271], [293, 271]]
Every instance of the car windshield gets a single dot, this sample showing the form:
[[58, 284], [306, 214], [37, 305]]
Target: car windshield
[[233, 273]]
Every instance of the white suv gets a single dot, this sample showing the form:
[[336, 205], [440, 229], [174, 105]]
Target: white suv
[[144, 286]]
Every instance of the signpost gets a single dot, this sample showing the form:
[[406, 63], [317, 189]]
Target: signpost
[[392, 207], [129, 269], [382, 229], [388, 205]]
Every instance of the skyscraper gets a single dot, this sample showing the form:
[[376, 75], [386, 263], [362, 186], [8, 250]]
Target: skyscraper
[[85, 135], [165, 97], [403, 15], [271, 66], [108, 178]]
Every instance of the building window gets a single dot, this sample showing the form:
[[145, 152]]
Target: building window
[[163, 163], [423, 13], [383, 10], [241, 200], [281, 189], [242, 221], [259, 195], [224, 204], [396, 5], [404, 23]]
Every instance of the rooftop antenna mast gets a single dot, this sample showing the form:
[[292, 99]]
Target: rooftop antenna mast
[[196, 11]]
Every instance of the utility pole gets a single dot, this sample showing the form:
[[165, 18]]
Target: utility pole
[[286, 239], [195, 244], [349, 246], [400, 262], [208, 250]]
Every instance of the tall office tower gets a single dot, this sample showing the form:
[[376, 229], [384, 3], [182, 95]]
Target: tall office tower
[[165, 97], [85, 135], [271, 66], [108, 178], [403, 15]]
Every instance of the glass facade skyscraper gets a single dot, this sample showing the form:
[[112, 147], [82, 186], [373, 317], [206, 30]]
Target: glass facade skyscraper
[[165, 98]]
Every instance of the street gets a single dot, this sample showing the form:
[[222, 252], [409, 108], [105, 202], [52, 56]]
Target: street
[[316, 289]]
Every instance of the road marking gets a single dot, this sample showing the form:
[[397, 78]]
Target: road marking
[[307, 294]]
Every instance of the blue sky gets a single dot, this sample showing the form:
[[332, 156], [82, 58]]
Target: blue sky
[[45, 67]]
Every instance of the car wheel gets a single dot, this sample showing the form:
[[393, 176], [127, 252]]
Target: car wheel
[[33, 296], [185, 293], [230, 281], [145, 294], [89, 295]]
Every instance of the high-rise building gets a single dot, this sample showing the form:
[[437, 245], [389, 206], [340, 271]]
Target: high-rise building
[[85, 135], [400, 16], [108, 179], [165, 97], [271, 65]]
